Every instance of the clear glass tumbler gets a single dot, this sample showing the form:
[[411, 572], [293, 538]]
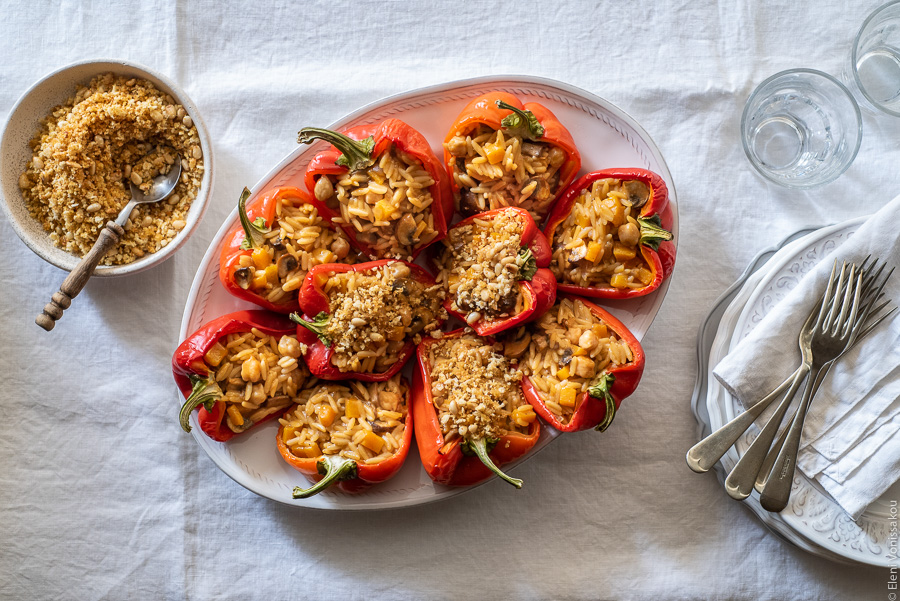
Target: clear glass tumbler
[[874, 68], [801, 128]]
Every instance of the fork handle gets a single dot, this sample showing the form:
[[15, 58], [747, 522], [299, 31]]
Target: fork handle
[[76, 280], [739, 483], [777, 491], [708, 451]]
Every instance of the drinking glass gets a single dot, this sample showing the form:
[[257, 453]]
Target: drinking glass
[[874, 68], [801, 128]]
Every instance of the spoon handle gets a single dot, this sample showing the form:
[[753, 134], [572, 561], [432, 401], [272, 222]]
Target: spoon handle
[[76, 280]]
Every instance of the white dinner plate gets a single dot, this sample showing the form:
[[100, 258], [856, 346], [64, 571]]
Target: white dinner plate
[[606, 137], [812, 515]]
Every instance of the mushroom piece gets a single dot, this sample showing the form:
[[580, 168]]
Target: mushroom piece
[[406, 230], [380, 427], [242, 277], [286, 264], [531, 149], [541, 190], [278, 243], [638, 193], [468, 203], [516, 347]]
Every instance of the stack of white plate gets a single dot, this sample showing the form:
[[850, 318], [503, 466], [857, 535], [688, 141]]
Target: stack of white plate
[[812, 520]]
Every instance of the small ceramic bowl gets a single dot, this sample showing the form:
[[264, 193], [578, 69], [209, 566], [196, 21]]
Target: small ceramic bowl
[[15, 153]]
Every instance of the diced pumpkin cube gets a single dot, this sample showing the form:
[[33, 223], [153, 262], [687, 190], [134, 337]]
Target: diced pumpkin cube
[[600, 330], [261, 258], [260, 280], [619, 280], [580, 352], [288, 433], [563, 374], [524, 415], [567, 396], [354, 408], [307, 450], [215, 355], [383, 210], [272, 273], [396, 333], [643, 276], [236, 418], [326, 415], [583, 220], [323, 255], [373, 442], [594, 252], [494, 153], [623, 252]]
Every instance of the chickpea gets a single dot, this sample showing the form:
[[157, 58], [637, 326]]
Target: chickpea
[[250, 371], [583, 367], [324, 189], [399, 270], [629, 234], [588, 340], [557, 156], [258, 396], [289, 347], [340, 248], [457, 146]]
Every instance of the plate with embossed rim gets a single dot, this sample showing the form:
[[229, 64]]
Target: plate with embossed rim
[[606, 137], [811, 513]]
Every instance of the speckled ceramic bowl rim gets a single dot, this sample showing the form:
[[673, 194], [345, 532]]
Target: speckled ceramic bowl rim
[[20, 126]]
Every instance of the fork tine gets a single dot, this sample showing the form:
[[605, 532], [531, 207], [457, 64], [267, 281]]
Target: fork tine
[[838, 302], [841, 322], [827, 299], [852, 322]]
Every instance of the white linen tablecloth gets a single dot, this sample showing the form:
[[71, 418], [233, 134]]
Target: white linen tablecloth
[[102, 496]]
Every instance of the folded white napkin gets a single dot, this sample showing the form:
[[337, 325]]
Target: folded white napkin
[[850, 437]]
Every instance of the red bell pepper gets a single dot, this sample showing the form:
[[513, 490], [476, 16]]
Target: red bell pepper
[[537, 284], [256, 219], [655, 221], [347, 474], [460, 462], [197, 383], [530, 121], [597, 407], [316, 308], [361, 147]]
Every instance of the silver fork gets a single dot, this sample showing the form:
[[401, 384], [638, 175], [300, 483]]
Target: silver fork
[[758, 457], [833, 332]]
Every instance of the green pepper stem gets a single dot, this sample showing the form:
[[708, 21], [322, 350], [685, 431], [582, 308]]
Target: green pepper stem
[[333, 468], [355, 155], [652, 232], [479, 447], [205, 392], [316, 326], [521, 123], [528, 266], [253, 231], [600, 390]]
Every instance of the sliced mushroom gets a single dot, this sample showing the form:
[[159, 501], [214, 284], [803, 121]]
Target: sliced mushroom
[[406, 230], [279, 400], [516, 347], [380, 427], [638, 193], [242, 277], [278, 243], [531, 149], [566, 357], [541, 188], [286, 264], [468, 203]]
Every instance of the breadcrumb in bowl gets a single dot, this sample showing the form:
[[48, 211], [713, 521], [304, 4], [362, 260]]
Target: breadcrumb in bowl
[[17, 154]]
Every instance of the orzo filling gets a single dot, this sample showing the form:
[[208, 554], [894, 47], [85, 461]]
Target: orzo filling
[[565, 352], [299, 240], [355, 420], [388, 204], [374, 313], [481, 265], [494, 169], [257, 374], [598, 244], [476, 393]]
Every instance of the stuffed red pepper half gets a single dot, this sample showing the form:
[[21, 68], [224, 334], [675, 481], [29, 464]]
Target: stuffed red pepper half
[[469, 412], [579, 363], [389, 189], [347, 434], [494, 268], [502, 153], [610, 234], [283, 233], [240, 370], [364, 321]]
